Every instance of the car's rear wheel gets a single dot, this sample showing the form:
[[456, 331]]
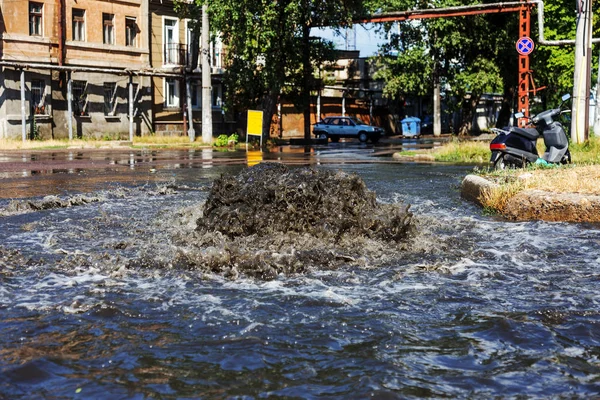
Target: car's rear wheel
[[362, 136]]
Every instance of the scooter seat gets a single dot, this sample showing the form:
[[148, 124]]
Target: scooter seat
[[529, 133]]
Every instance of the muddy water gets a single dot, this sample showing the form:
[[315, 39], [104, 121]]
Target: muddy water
[[480, 308]]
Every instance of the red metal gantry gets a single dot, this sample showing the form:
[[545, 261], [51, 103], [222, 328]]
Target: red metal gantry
[[522, 7]]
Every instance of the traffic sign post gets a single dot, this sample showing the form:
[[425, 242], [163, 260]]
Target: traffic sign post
[[524, 47]]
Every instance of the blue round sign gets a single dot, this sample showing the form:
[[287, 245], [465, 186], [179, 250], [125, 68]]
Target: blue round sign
[[525, 46]]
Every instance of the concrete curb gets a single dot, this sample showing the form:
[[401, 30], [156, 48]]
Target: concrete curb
[[472, 187], [531, 205]]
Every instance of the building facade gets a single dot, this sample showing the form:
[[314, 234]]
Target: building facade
[[87, 48], [175, 47], [126, 66]]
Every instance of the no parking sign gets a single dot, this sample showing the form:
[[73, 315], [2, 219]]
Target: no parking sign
[[525, 46]]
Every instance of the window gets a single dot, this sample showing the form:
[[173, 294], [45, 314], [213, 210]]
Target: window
[[217, 96], [196, 89], [131, 30], [79, 102], [216, 49], [110, 98], [170, 41], [108, 20], [35, 19], [193, 52], [78, 25], [171, 92], [38, 89]]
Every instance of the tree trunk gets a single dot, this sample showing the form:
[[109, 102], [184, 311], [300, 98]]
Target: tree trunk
[[466, 125], [269, 105], [506, 108]]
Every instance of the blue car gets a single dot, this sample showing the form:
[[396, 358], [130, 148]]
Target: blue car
[[335, 128]]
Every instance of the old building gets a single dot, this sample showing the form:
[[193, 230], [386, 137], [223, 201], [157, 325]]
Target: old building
[[173, 49], [92, 49], [106, 55]]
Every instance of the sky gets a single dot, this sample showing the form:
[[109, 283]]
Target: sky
[[367, 39]]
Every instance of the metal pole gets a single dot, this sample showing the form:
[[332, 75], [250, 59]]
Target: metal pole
[[207, 132], [319, 105], [23, 108], [523, 91], [130, 108], [597, 119], [70, 105], [188, 99], [580, 119]]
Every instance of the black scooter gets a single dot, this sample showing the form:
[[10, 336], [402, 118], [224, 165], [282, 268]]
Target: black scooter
[[515, 147]]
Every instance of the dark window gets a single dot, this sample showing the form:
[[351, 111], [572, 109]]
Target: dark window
[[78, 25], [110, 98], [131, 30], [35, 19], [79, 102], [38, 88], [196, 89], [217, 96], [108, 21], [172, 92]]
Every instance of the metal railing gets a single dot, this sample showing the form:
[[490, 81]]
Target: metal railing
[[175, 54]]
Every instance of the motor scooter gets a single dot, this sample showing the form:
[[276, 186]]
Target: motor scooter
[[515, 147]]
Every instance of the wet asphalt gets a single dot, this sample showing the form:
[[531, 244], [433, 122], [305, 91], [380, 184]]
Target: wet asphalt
[[35, 173]]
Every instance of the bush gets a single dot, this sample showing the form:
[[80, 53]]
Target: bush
[[224, 140]]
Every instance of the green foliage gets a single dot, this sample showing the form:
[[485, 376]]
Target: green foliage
[[269, 48], [409, 74], [224, 140]]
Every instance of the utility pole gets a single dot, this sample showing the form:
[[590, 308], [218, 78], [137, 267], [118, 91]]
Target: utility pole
[[582, 75], [207, 132], [597, 115]]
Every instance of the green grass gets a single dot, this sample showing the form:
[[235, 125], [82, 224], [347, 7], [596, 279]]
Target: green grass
[[470, 152], [408, 153], [463, 152], [586, 153]]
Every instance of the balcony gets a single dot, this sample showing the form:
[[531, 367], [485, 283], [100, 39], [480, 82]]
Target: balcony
[[175, 54]]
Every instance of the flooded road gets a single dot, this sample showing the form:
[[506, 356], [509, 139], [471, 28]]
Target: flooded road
[[84, 170], [478, 308]]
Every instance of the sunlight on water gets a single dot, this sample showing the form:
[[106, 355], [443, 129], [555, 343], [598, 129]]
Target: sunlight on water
[[476, 307]]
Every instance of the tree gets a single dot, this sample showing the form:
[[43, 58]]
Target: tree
[[270, 51], [463, 54]]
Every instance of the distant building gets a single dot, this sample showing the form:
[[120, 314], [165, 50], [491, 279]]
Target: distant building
[[347, 87]]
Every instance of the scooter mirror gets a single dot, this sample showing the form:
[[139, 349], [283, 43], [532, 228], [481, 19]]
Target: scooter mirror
[[566, 97], [519, 115]]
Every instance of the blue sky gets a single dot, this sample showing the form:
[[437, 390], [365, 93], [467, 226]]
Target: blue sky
[[367, 38]]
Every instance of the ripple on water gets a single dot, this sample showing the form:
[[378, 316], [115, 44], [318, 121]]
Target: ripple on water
[[478, 308]]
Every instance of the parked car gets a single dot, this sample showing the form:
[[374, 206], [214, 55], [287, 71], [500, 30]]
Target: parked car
[[335, 128]]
